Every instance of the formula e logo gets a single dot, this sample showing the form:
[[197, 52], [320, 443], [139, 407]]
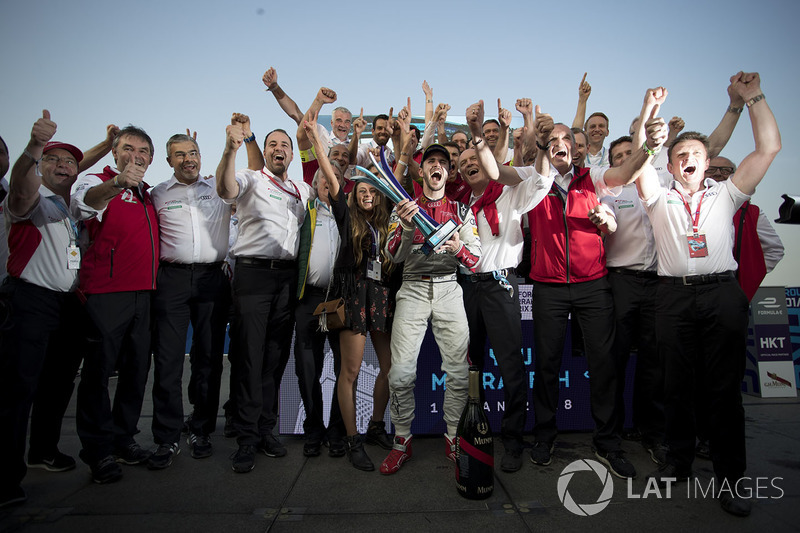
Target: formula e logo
[[585, 509], [770, 303]]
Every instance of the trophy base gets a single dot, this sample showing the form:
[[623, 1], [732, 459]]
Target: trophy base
[[435, 240]]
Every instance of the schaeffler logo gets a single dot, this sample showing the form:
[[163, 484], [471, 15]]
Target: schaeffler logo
[[585, 509]]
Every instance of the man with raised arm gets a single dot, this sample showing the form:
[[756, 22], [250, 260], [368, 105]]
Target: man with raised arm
[[271, 209], [429, 292], [702, 311], [118, 276], [491, 292]]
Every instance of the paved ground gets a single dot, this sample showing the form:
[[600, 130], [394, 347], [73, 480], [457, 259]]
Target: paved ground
[[295, 493]]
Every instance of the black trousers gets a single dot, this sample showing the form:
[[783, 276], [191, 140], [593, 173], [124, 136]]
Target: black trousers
[[199, 294], [39, 357], [591, 304], [493, 312], [635, 315], [309, 356], [701, 329], [264, 301], [121, 341]]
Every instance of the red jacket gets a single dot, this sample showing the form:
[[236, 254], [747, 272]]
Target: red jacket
[[747, 250], [123, 249], [566, 247]]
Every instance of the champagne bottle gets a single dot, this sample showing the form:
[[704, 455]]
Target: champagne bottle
[[474, 446]]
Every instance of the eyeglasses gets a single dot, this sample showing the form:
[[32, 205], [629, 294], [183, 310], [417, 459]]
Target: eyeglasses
[[725, 171], [70, 162]]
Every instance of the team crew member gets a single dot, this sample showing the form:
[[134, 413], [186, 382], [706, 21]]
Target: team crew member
[[702, 311], [631, 261], [43, 348], [118, 276], [491, 295], [429, 292], [268, 204], [192, 287]]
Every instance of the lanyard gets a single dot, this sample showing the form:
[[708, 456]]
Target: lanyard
[[696, 219], [295, 194], [73, 235], [375, 241]]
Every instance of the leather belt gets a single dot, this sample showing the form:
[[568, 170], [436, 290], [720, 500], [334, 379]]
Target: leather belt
[[192, 266], [649, 274], [430, 279], [272, 264], [483, 276], [700, 279]]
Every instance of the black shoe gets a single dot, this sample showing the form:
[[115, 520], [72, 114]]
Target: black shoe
[[163, 456], [356, 454], [12, 496], [617, 464], [631, 434], [271, 446], [658, 453], [312, 447], [377, 436], [669, 472], [106, 470], [702, 450], [243, 460], [733, 504], [541, 453], [228, 430], [336, 447], [200, 446], [60, 462], [132, 454], [512, 460]]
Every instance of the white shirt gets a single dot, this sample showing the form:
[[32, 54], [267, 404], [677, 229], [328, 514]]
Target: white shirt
[[598, 160], [596, 173], [771, 244], [193, 221], [362, 158], [672, 223], [632, 245], [43, 243], [505, 250], [269, 215], [327, 138], [78, 206], [324, 247]]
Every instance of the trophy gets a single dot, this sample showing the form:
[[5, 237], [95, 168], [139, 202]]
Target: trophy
[[435, 234]]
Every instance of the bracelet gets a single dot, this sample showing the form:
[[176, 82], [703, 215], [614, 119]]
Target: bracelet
[[404, 153], [755, 100], [250, 139], [735, 109], [26, 152], [542, 148], [116, 183], [648, 151], [476, 143], [429, 101], [401, 162]]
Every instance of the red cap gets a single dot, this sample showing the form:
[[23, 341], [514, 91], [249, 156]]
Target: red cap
[[52, 145]]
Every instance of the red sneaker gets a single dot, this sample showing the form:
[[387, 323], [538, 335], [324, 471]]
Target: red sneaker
[[401, 452], [450, 452]]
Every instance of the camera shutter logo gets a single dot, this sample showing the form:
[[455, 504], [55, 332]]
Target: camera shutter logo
[[585, 509]]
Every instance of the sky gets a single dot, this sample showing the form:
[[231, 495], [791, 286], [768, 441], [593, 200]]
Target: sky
[[168, 66]]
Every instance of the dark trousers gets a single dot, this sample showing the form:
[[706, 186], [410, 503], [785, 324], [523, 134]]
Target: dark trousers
[[264, 302], [702, 328], [635, 314], [493, 312], [200, 295], [591, 304], [121, 341], [39, 357], [309, 356]]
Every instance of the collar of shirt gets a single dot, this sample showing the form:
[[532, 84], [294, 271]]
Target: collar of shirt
[[562, 181], [173, 181], [320, 204]]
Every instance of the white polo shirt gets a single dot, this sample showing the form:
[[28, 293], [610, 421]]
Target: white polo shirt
[[632, 245], [38, 243], [193, 221], [270, 213], [324, 247], [505, 250], [672, 223]]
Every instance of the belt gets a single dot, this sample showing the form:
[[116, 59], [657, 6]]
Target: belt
[[700, 279], [649, 274], [192, 266], [272, 264], [431, 279], [483, 276]]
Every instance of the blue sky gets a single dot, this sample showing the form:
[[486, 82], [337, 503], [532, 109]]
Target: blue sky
[[166, 66]]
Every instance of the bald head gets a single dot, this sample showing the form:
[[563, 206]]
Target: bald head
[[720, 168]]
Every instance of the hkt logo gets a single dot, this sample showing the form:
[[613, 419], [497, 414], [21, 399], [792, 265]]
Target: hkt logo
[[585, 509]]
